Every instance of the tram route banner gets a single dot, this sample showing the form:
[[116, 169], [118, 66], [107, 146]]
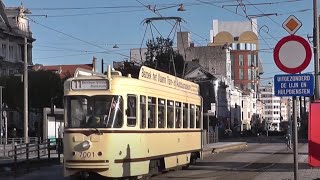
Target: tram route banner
[[161, 78]]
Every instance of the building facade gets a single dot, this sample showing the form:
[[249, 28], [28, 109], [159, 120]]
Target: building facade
[[242, 37], [272, 107], [14, 29]]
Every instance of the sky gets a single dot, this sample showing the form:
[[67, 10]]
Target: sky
[[73, 31]]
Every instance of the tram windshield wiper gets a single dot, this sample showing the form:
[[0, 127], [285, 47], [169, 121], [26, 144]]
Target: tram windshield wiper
[[99, 132]]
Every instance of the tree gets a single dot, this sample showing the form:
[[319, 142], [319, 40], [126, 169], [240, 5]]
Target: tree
[[42, 86], [160, 55]]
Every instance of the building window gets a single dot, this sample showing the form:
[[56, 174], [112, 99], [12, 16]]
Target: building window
[[240, 59], [240, 74], [253, 86], [4, 50], [242, 46], [249, 60], [255, 60], [249, 74], [11, 52]]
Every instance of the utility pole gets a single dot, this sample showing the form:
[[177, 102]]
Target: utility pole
[[102, 66], [316, 48], [25, 86], [1, 118]]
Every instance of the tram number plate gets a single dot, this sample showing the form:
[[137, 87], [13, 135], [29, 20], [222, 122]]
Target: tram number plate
[[87, 154]]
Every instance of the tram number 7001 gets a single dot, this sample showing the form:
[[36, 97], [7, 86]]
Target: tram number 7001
[[87, 154]]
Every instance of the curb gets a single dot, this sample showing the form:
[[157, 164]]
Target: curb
[[213, 150], [217, 150]]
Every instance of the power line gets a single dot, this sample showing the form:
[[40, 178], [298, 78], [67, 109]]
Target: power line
[[83, 8], [71, 36], [88, 14], [79, 54]]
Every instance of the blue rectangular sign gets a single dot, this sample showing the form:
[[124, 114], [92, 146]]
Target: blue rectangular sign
[[294, 85]]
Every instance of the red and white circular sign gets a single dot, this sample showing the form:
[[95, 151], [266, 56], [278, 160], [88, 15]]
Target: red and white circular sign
[[292, 54]]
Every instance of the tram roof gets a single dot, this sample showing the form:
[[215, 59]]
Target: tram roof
[[146, 74]]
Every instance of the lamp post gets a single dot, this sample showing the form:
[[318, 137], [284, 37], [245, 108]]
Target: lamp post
[[25, 87], [230, 113], [1, 117]]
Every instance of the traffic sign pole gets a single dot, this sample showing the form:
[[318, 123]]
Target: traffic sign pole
[[316, 49], [292, 54], [295, 134]]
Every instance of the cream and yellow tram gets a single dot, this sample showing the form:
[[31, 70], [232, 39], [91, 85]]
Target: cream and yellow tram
[[119, 126]]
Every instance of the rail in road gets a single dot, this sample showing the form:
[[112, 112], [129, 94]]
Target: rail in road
[[258, 161]]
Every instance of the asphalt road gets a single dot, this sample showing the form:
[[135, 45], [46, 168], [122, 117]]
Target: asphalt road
[[257, 161]]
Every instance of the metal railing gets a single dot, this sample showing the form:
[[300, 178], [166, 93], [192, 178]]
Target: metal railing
[[9, 143], [17, 140], [27, 151], [210, 137]]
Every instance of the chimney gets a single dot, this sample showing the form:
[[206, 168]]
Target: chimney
[[183, 41], [94, 63]]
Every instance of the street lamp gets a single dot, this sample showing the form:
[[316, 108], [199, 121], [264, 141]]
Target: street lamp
[[181, 8]]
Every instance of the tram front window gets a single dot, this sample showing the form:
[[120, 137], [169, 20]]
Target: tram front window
[[94, 111]]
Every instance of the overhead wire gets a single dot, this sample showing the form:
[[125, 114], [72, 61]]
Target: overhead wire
[[88, 14], [158, 13], [84, 41]]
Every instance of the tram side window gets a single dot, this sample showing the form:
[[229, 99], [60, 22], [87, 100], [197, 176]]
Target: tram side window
[[142, 112], [185, 115], [198, 117], [151, 112], [192, 112], [170, 114], [131, 110], [161, 112], [178, 114]]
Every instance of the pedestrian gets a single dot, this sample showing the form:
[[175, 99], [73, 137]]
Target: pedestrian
[[288, 138], [14, 133]]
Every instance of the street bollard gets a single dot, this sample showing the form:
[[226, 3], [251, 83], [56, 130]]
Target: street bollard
[[38, 149], [4, 150], [27, 151], [48, 148], [15, 156]]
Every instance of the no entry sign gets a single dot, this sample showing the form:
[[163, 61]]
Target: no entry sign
[[292, 54]]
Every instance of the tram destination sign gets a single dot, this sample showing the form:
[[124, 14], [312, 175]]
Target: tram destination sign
[[294, 85], [96, 84]]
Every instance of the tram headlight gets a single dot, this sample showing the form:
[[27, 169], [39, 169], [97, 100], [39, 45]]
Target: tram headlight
[[86, 144]]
